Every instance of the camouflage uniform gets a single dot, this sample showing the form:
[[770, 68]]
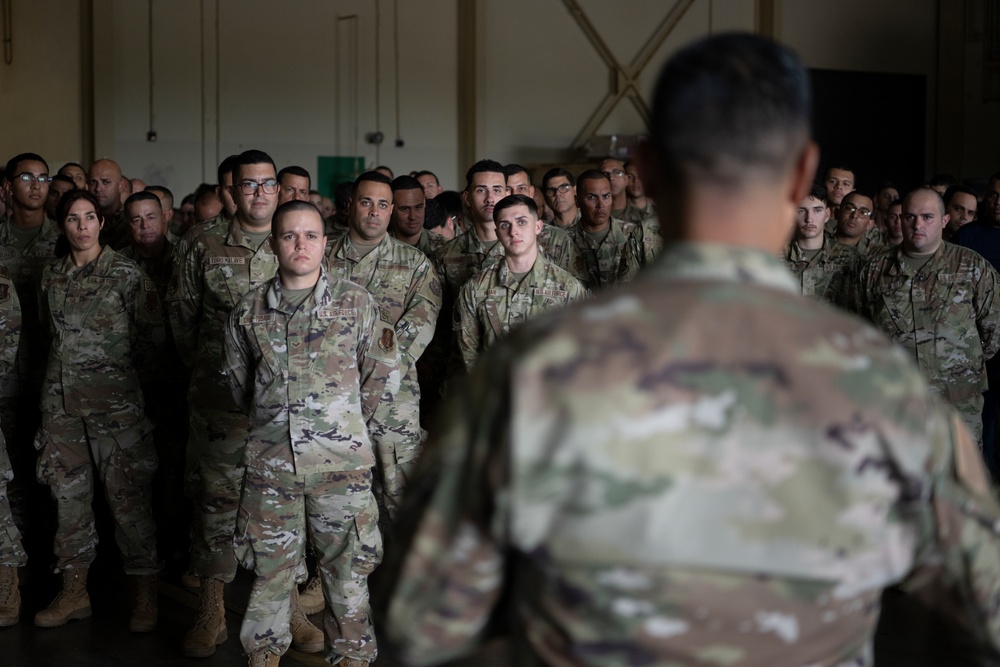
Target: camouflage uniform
[[428, 243], [107, 331], [868, 246], [19, 414], [115, 232], [830, 275], [311, 378], [494, 301], [461, 258], [599, 265], [701, 468], [11, 550], [631, 213], [946, 316], [407, 288], [220, 266], [166, 405], [643, 245]]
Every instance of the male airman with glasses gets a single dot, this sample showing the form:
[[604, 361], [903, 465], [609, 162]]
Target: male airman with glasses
[[856, 222], [27, 246], [559, 189], [621, 207], [224, 262], [939, 301]]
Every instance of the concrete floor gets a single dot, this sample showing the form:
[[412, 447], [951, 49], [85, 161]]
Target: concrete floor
[[908, 634], [104, 640]]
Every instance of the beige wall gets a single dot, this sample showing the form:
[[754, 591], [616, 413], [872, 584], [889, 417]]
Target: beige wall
[[40, 90], [298, 79]]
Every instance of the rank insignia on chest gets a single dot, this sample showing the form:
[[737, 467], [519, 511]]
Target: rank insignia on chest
[[387, 341]]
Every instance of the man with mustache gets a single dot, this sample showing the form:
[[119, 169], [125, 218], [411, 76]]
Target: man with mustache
[[825, 269]]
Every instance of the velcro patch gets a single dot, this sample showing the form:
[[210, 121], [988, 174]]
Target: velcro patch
[[330, 313], [387, 341], [550, 292], [226, 260], [148, 285], [102, 281], [491, 292], [395, 267]]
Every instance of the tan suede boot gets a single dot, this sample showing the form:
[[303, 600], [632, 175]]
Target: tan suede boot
[[264, 658], [210, 627], [311, 599], [10, 596], [306, 637], [146, 611], [71, 603]]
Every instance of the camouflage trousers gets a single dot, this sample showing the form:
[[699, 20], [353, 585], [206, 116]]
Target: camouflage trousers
[[69, 449], [19, 420], [339, 511], [397, 439], [214, 473], [11, 550]]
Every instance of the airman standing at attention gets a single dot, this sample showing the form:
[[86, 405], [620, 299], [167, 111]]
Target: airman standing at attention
[[225, 260], [941, 302], [511, 292], [295, 346]]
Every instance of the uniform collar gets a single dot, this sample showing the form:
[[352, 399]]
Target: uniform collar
[[708, 261], [321, 294]]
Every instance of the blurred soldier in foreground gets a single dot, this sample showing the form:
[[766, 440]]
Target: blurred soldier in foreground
[[703, 466]]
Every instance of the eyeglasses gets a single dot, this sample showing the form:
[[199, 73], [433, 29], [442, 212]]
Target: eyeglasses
[[25, 177], [616, 173], [564, 188], [250, 187], [851, 209]]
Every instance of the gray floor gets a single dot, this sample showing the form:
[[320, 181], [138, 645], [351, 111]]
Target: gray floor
[[908, 635], [104, 638]]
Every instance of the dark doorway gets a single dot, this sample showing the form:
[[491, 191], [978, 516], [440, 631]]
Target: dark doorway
[[872, 122]]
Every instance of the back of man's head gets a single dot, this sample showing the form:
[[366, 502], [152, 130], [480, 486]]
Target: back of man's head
[[728, 109]]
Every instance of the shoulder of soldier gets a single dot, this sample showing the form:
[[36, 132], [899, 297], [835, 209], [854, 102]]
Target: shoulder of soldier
[[555, 275], [956, 254], [451, 247], [626, 226], [842, 252], [253, 302], [405, 253]]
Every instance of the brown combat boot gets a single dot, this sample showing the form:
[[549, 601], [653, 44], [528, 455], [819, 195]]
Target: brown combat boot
[[311, 599], [10, 596], [264, 658], [145, 613], [210, 627], [306, 637], [71, 603]]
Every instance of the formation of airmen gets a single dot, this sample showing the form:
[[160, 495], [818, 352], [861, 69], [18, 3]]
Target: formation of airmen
[[256, 375]]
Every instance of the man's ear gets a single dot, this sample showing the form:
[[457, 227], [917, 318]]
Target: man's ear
[[645, 164], [804, 172]]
